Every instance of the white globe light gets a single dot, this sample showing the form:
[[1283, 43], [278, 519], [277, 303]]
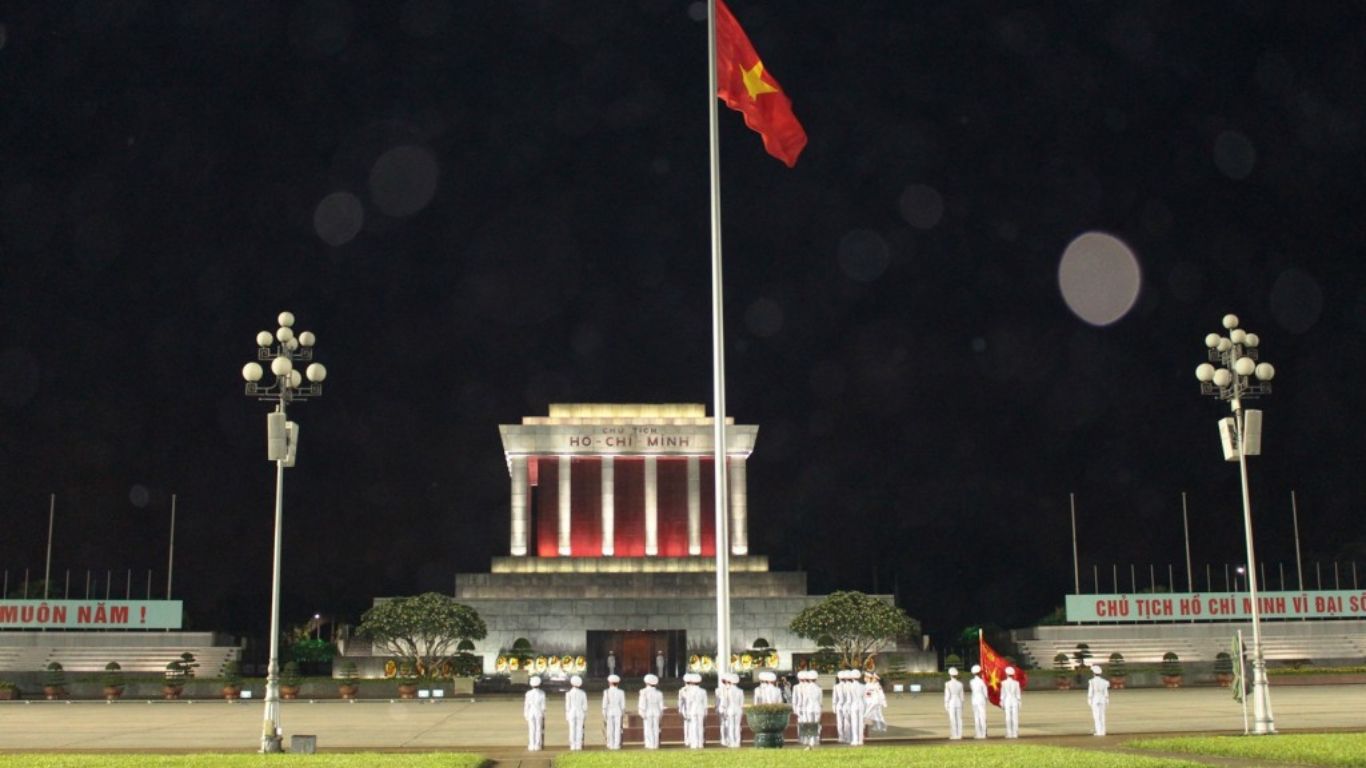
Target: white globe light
[[308, 339], [1244, 366], [316, 372], [1212, 340], [284, 333], [264, 339], [1238, 336], [286, 319], [295, 379], [1204, 372], [1265, 372], [292, 345], [1230, 321], [1222, 377], [1224, 345], [252, 372], [281, 366], [1252, 340]]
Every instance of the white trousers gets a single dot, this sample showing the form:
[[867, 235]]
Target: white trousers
[[979, 720], [1098, 715], [956, 722], [651, 727], [575, 731], [612, 723], [535, 727], [694, 734], [1012, 720], [731, 724]]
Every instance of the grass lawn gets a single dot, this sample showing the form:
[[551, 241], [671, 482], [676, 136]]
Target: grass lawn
[[344, 760], [964, 755], [1336, 749]]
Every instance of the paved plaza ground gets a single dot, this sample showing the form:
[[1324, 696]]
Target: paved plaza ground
[[493, 724]]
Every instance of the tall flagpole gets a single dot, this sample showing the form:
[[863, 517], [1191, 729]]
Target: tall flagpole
[[1076, 564], [718, 357], [1186, 527]]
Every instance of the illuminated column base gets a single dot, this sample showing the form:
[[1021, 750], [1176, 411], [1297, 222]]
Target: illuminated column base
[[651, 506], [694, 506], [609, 507], [518, 544], [739, 507], [566, 506]]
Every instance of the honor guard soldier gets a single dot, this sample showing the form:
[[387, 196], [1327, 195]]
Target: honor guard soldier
[[875, 703], [806, 703], [767, 692], [575, 709], [533, 709], [650, 707], [979, 703], [730, 707], [1098, 696], [953, 704], [613, 712], [1010, 703], [692, 705]]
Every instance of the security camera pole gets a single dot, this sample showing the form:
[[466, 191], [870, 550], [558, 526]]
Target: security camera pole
[[1238, 376], [282, 349]]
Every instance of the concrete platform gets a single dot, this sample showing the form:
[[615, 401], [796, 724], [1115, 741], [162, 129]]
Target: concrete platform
[[494, 724]]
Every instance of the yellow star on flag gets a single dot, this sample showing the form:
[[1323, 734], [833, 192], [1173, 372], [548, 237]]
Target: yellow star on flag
[[995, 680], [754, 82]]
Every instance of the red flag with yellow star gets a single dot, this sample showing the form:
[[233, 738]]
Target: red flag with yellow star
[[994, 670], [746, 87]]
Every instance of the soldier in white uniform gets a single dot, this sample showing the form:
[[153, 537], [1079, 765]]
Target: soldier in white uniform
[[611, 663], [575, 709], [837, 693], [767, 692], [979, 703], [806, 703], [730, 707], [533, 709], [953, 704], [650, 707], [692, 705], [613, 712], [1010, 703], [875, 703], [855, 704], [1098, 696]]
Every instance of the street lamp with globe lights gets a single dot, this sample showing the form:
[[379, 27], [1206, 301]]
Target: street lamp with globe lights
[[281, 350], [1234, 374]]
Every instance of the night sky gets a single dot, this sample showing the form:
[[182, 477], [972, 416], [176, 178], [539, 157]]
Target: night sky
[[481, 208]]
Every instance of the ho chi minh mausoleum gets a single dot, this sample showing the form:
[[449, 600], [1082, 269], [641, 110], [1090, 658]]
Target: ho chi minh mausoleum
[[611, 543]]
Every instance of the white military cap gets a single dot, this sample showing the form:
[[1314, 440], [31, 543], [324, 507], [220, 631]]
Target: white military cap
[[1095, 669], [535, 681], [651, 680], [953, 671], [976, 668], [731, 677], [1010, 671], [613, 679], [767, 677], [692, 677], [576, 681]]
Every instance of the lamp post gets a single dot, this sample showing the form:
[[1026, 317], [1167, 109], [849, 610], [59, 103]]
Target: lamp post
[[1233, 374], [283, 350]]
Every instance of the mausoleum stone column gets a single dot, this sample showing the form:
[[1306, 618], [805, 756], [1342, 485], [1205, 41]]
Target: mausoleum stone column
[[517, 465], [739, 507], [651, 506], [609, 507], [694, 506], [566, 507]]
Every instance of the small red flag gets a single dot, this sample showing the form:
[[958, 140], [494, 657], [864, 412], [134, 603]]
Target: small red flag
[[994, 670], [747, 87]]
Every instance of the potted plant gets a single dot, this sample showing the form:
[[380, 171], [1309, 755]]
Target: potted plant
[[406, 678], [1062, 672], [1118, 671], [1171, 670], [768, 721], [1223, 668], [232, 681], [348, 684], [289, 680], [953, 660], [113, 681], [8, 691], [54, 682], [187, 664], [174, 681]]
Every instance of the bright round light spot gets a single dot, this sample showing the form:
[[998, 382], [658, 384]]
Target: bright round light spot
[[1099, 277], [764, 318], [281, 366], [138, 496], [286, 319], [403, 180], [1265, 372], [1222, 377], [1230, 321], [308, 339], [264, 339], [295, 378], [864, 255], [316, 372], [1296, 300], [338, 218], [1244, 366], [284, 333], [921, 206], [1224, 344], [1252, 340], [1212, 340], [1238, 336], [252, 372], [1234, 155], [1204, 372]]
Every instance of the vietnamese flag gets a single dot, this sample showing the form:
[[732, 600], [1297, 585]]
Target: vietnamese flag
[[994, 670], [747, 87]]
